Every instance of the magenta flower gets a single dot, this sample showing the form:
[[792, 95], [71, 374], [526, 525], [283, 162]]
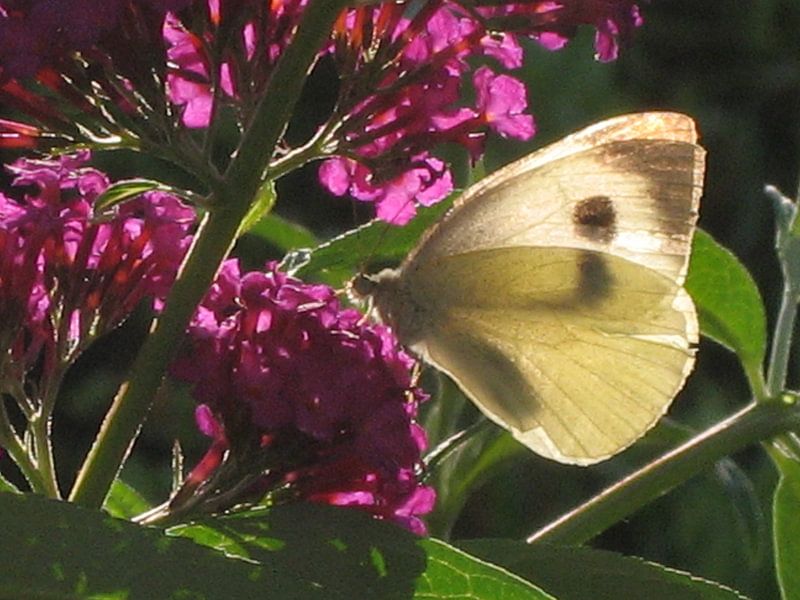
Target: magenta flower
[[282, 364], [35, 34], [402, 76], [402, 84], [553, 22], [67, 277], [160, 67]]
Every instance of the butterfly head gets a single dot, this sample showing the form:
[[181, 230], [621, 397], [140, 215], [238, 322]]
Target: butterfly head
[[393, 302]]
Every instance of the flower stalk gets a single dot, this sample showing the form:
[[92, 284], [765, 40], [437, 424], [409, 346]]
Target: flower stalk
[[754, 423], [787, 244]]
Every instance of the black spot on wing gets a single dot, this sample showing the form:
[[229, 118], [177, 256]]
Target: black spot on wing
[[595, 280], [595, 219]]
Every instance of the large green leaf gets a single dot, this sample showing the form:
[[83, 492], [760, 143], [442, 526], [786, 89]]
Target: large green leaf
[[573, 573], [786, 525], [452, 573], [350, 555], [729, 305], [57, 550]]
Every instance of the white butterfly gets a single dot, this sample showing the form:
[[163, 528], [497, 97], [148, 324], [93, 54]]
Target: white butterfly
[[552, 292]]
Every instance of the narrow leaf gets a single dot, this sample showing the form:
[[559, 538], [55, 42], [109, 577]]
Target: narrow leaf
[[128, 189], [7, 486], [264, 201], [786, 525], [122, 191], [574, 573], [729, 305]]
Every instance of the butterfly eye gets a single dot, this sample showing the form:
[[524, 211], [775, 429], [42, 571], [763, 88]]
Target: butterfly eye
[[362, 286]]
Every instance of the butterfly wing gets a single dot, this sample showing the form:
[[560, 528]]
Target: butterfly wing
[[576, 353], [551, 293], [629, 186]]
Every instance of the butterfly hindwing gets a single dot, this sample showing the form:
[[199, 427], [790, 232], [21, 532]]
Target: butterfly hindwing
[[578, 356]]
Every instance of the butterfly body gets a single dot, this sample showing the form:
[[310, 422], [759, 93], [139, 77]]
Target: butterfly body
[[552, 291]]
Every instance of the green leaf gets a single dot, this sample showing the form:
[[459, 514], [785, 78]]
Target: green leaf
[[264, 201], [344, 553], [573, 573], [302, 552], [61, 551], [128, 189], [786, 526], [452, 573], [283, 234], [122, 191], [124, 502], [376, 242], [729, 305]]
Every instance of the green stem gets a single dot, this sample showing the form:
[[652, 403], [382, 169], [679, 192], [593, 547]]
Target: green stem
[[211, 245], [754, 423], [782, 340], [40, 428], [11, 443]]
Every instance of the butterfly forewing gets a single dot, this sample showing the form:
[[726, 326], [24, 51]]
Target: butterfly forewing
[[636, 199]]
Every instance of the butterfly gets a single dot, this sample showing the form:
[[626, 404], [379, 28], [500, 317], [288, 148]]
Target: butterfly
[[552, 291]]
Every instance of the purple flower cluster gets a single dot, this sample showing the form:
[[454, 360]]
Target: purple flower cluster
[[402, 76], [299, 366], [37, 34], [554, 22], [403, 80], [67, 276], [404, 70], [392, 117]]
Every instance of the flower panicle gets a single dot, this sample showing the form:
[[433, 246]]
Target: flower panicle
[[146, 72], [67, 277], [280, 369]]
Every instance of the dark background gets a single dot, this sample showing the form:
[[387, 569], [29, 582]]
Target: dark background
[[735, 67]]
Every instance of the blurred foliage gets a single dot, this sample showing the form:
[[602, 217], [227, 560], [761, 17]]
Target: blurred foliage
[[735, 67]]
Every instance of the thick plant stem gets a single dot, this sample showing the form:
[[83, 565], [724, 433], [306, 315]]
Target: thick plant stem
[[232, 200], [753, 424]]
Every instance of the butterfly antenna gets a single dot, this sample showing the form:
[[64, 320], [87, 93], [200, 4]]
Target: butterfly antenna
[[387, 226]]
